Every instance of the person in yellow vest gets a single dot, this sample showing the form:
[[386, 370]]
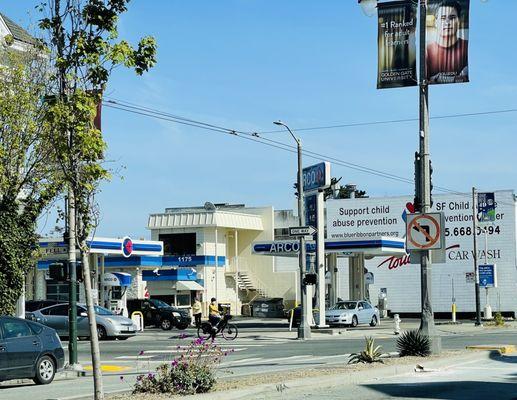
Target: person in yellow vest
[[196, 312], [213, 312]]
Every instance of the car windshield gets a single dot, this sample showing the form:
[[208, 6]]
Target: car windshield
[[345, 305], [160, 304], [102, 311]]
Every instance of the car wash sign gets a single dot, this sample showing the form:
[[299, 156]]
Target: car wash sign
[[281, 248]]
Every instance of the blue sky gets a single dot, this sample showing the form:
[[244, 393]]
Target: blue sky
[[243, 63]]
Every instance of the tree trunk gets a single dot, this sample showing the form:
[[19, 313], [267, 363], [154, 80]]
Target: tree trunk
[[94, 340]]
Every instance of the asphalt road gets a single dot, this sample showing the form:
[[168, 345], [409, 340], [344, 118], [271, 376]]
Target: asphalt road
[[259, 348]]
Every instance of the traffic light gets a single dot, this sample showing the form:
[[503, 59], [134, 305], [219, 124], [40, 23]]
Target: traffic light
[[79, 271], [431, 183], [57, 272], [310, 279], [418, 196]]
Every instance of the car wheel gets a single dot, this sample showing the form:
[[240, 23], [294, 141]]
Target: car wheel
[[123, 338], [45, 371], [373, 322], [101, 332], [166, 324], [354, 321]]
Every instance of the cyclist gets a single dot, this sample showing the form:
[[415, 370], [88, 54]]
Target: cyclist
[[214, 316]]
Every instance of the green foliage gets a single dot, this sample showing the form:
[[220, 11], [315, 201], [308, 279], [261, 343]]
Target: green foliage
[[344, 192], [498, 319], [370, 354], [84, 49], [414, 343], [28, 182], [191, 373]]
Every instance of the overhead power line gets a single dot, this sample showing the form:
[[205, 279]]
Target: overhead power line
[[255, 136], [395, 121]]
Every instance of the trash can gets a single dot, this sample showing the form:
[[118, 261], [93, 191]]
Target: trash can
[[224, 308], [268, 308]]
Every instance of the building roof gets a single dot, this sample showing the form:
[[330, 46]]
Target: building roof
[[205, 218], [17, 31]]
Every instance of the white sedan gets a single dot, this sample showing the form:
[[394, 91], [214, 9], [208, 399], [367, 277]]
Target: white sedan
[[352, 313]]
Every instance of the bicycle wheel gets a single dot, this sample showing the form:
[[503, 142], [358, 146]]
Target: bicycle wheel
[[204, 331], [230, 332]]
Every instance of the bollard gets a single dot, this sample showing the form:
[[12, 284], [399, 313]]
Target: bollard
[[453, 312], [396, 321]]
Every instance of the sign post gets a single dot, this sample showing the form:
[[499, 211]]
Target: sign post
[[315, 179]]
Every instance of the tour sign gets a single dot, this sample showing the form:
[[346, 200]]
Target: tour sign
[[295, 231], [424, 231]]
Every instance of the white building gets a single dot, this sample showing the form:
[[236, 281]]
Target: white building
[[400, 280], [224, 233]]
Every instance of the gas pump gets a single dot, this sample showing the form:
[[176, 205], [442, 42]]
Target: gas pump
[[115, 296]]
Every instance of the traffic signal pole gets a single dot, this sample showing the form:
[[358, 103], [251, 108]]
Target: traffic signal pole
[[72, 289], [423, 189]]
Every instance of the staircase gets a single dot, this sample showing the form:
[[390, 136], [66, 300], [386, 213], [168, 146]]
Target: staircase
[[247, 281]]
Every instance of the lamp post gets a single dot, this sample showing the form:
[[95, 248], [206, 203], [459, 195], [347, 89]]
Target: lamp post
[[304, 331], [422, 173]]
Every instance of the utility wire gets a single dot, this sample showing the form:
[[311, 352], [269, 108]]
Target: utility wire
[[255, 137], [395, 121]]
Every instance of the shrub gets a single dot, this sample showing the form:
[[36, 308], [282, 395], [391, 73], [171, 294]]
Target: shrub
[[369, 355], [191, 373], [498, 319], [414, 343]]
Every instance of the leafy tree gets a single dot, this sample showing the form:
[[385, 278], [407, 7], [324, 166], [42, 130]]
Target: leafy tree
[[83, 41], [28, 180], [345, 192]]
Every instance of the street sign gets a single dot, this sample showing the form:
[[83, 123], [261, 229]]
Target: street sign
[[316, 176], [486, 207], [296, 231], [487, 276], [424, 231]]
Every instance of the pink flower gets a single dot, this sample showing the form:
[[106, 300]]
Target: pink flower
[[141, 353]]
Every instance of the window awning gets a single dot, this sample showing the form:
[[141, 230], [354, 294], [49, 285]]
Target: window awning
[[188, 285]]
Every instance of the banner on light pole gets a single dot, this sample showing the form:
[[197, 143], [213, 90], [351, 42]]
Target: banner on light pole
[[447, 38], [396, 45]]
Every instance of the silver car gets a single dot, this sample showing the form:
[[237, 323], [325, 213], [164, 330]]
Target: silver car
[[109, 325], [352, 313]]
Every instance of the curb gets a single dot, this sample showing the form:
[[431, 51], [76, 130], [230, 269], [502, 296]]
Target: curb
[[502, 349]]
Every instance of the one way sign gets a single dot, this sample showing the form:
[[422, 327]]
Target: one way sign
[[295, 231]]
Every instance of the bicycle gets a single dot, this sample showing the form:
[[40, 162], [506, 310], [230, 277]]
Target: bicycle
[[224, 328]]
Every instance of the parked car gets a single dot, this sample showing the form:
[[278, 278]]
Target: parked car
[[109, 325], [159, 313], [352, 313], [29, 350], [33, 305]]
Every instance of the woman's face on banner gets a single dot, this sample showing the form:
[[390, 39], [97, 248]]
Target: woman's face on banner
[[447, 22]]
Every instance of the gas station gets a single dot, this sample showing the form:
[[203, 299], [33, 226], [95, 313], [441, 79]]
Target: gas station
[[356, 250]]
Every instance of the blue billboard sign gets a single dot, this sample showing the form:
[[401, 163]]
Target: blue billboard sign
[[487, 275], [486, 207], [316, 176]]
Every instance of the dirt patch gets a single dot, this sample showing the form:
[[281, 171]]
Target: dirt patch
[[243, 382]]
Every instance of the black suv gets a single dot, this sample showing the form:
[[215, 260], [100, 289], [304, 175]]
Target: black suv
[[159, 313]]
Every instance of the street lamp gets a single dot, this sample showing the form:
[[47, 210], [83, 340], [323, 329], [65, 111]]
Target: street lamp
[[304, 331], [369, 7]]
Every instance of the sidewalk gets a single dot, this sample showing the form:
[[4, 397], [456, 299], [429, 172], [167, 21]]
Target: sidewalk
[[469, 376]]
